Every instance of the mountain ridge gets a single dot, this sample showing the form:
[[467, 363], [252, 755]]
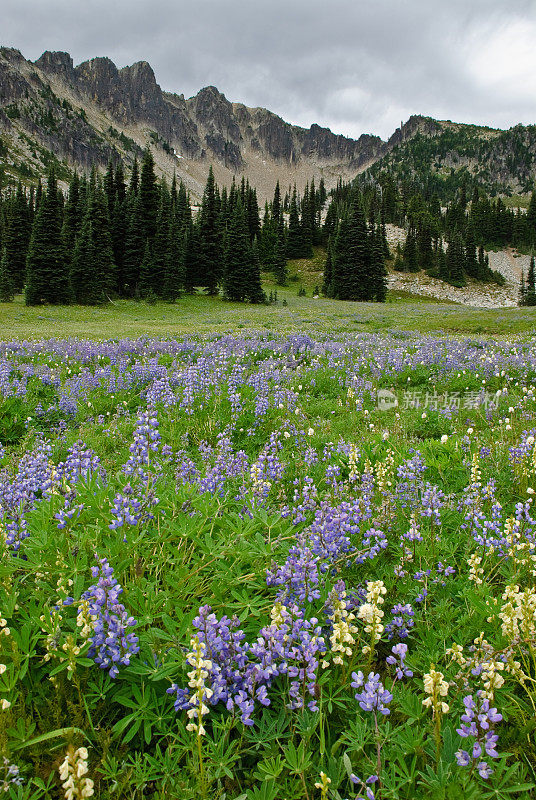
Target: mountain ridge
[[83, 115]]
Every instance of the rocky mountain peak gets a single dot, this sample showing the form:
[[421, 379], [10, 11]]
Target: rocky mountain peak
[[56, 63]]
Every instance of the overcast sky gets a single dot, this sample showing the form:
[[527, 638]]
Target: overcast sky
[[354, 66]]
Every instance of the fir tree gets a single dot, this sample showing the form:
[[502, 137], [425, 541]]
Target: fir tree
[[295, 244], [522, 290], [148, 195], [72, 216], [47, 278], [210, 251], [255, 292], [279, 266], [92, 272], [530, 295], [7, 287], [134, 247], [146, 272], [276, 203], [16, 238], [237, 256], [161, 244], [175, 274], [327, 282], [378, 270]]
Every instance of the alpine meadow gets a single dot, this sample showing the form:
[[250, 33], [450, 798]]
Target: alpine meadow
[[268, 402]]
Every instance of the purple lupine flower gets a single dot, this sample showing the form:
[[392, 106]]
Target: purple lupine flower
[[111, 643], [477, 722], [373, 696], [397, 660]]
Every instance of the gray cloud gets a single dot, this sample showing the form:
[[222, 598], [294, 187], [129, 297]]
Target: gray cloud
[[355, 66]]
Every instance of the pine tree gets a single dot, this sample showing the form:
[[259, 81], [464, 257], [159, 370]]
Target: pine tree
[[279, 266], [522, 290], [16, 238], [146, 272], [294, 237], [456, 261], [530, 296], [327, 282], [255, 292], [7, 288], [471, 260], [92, 273], [237, 256], [134, 184], [359, 285], [175, 274], [47, 277], [378, 270], [210, 250], [161, 244], [531, 220], [307, 223], [276, 203], [410, 252], [341, 287], [134, 247], [148, 195], [72, 216], [109, 186]]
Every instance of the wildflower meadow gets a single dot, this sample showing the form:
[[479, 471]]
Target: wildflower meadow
[[232, 569]]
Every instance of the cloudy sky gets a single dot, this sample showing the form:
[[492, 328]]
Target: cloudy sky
[[354, 66]]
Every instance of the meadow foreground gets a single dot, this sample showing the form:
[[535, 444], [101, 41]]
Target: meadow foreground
[[260, 566]]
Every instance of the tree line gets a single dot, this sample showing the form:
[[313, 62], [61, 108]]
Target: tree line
[[109, 237]]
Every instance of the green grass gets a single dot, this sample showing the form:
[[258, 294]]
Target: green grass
[[204, 315]]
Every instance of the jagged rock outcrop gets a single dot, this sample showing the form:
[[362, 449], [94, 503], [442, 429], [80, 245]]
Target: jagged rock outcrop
[[86, 114]]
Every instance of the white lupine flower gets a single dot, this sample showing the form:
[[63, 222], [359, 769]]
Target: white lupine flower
[[435, 687]]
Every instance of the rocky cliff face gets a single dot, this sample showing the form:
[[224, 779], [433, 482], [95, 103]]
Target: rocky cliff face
[[86, 114]]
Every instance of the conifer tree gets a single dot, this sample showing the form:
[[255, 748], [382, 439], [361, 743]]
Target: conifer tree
[[175, 273], [134, 247], [530, 295], [7, 288], [359, 284], [161, 244], [456, 261], [279, 266], [410, 252], [522, 290], [276, 203], [16, 238], [109, 186], [237, 256], [210, 250], [72, 216], [146, 272], [92, 272], [307, 223], [531, 220], [47, 278], [295, 245], [378, 270], [327, 287], [255, 292], [148, 194], [134, 184]]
